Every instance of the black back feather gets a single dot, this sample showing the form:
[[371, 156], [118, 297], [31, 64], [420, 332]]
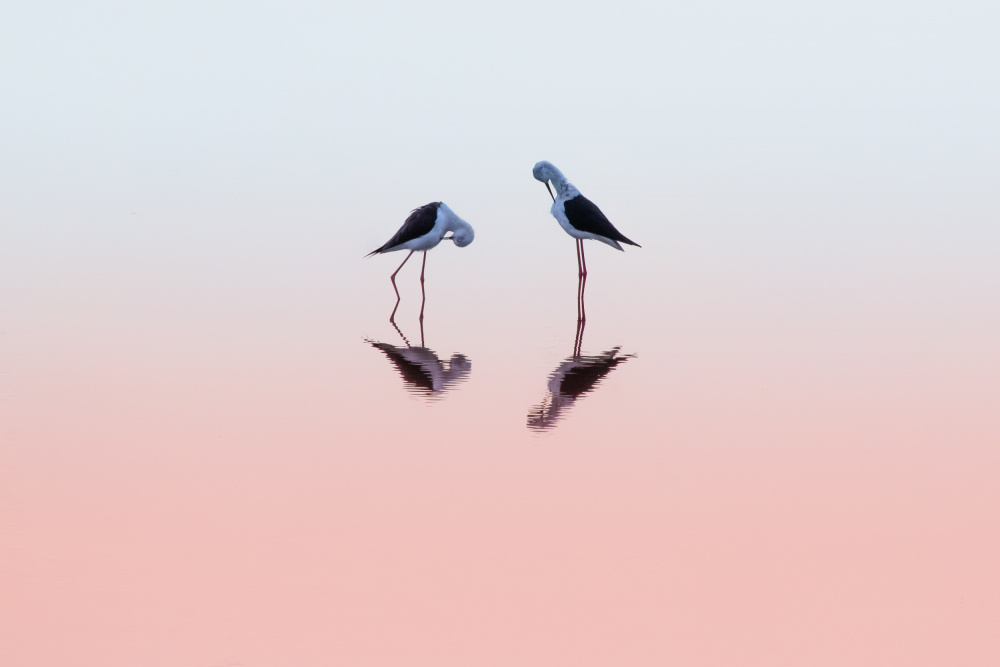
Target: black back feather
[[420, 221], [584, 215]]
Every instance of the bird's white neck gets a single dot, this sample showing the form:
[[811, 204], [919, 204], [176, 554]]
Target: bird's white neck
[[453, 223], [456, 224], [564, 188]]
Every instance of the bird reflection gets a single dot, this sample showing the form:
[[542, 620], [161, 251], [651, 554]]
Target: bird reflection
[[577, 375], [422, 372]]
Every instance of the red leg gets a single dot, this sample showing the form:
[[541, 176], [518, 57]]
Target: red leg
[[423, 295], [579, 280], [578, 343], [392, 279], [583, 283]]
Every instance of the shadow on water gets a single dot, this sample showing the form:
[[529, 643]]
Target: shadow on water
[[576, 376], [423, 373]]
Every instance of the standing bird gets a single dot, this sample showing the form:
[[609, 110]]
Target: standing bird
[[580, 218], [423, 229]]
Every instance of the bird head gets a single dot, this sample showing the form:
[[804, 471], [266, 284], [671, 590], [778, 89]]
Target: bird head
[[461, 231], [463, 236], [546, 171]]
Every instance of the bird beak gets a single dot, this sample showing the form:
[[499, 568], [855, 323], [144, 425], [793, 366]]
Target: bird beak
[[550, 191]]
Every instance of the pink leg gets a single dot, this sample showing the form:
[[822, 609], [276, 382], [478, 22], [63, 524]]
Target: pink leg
[[423, 295], [392, 279], [578, 343], [579, 280], [583, 283]]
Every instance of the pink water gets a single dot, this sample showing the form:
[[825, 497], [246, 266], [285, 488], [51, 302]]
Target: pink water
[[205, 463]]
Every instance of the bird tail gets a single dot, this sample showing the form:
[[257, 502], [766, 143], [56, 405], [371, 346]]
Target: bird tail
[[629, 241]]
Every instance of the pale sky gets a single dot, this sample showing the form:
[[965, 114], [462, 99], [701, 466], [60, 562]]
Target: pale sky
[[370, 109]]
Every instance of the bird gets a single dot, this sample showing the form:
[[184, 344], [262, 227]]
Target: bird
[[423, 229], [580, 218]]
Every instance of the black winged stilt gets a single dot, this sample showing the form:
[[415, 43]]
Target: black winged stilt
[[580, 218], [422, 230]]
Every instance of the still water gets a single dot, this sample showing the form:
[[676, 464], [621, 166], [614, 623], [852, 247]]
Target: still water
[[224, 453]]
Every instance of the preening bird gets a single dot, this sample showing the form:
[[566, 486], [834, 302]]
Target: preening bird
[[576, 214], [422, 230], [580, 218]]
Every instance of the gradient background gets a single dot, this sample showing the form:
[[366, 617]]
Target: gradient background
[[204, 464]]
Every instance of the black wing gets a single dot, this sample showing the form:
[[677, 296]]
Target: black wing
[[584, 215], [421, 221]]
